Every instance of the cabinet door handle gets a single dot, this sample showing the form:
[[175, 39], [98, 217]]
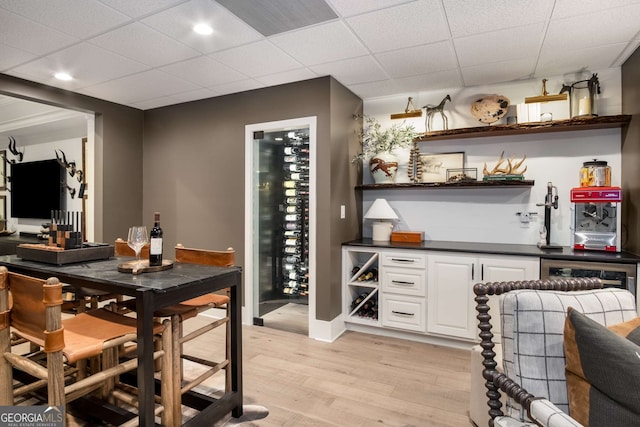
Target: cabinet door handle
[[473, 272], [402, 282], [482, 272], [402, 313], [402, 260]]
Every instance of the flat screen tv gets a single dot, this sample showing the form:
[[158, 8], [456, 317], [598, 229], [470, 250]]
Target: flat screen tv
[[37, 188]]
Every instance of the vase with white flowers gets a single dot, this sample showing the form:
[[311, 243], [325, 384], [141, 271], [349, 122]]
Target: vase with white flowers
[[378, 146]]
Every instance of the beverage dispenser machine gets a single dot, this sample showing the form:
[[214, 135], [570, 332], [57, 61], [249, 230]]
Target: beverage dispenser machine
[[596, 218]]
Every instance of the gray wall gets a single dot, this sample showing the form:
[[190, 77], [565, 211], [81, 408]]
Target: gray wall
[[187, 162], [631, 152], [118, 187], [194, 170]]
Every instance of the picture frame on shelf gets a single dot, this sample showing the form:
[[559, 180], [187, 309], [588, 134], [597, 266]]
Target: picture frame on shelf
[[432, 167]]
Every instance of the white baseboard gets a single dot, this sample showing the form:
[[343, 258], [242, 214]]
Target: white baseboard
[[327, 331]]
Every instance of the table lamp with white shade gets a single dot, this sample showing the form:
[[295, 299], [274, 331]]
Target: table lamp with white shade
[[382, 215]]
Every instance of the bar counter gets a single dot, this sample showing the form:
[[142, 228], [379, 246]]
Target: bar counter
[[565, 253]]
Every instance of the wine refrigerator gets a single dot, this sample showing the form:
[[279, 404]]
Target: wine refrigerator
[[282, 226]]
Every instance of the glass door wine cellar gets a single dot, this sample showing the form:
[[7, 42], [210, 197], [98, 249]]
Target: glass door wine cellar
[[282, 223]]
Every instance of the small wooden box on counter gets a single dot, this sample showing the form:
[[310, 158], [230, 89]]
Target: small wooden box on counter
[[407, 236]]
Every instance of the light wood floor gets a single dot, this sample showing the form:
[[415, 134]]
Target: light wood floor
[[359, 380]]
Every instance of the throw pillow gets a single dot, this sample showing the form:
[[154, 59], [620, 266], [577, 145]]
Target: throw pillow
[[603, 371]]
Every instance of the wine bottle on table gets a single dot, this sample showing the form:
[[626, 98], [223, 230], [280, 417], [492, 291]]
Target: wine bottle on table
[[155, 238]]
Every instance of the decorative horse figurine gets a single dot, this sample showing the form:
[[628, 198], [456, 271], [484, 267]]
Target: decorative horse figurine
[[433, 109]]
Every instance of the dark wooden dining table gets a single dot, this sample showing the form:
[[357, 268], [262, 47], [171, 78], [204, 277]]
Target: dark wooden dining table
[[154, 290]]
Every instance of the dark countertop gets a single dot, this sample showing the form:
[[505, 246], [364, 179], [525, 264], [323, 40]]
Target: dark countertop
[[105, 272], [566, 253]]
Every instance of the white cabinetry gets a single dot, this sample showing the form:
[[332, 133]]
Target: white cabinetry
[[422, 293], [403, 281], [451, 276]]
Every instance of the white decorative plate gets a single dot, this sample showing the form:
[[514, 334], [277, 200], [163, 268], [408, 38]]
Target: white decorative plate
[[490, 108]]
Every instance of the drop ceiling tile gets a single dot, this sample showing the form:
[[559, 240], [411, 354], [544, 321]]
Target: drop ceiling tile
[[418, 60], [567, 8], [376, 89], [553, 62], [257, 59], [594, 29], [162, 101], [144, 44], [287, 77], [501, 45], [29, 36], [239, 86], [140, 8], [480, 16], [322, 43], [228, 30], [429, 82], [10, 57], [79, 18], [406, 25], [139, 87], [203, 71], [498, 72], [355, 7], [194, 95], [352, 71], [87, 64]]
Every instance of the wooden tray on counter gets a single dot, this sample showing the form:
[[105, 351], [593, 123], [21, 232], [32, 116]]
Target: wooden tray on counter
[[130, 266], [59, 256]]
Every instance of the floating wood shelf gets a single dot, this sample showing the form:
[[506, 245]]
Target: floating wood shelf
[[601, 122], [448, 185]]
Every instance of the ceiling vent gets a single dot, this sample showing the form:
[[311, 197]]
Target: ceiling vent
[[271, 17]]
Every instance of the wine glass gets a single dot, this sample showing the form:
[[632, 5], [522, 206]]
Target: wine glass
[[137, 238]]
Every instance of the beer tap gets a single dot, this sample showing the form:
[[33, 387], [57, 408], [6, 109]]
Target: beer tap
[[550, 201]]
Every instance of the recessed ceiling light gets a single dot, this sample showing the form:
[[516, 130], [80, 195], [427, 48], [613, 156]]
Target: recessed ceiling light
[[204, 29], [63, 76]]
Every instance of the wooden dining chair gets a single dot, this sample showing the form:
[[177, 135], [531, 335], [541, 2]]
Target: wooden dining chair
[[31, 309], [121, 248], [180, 313]]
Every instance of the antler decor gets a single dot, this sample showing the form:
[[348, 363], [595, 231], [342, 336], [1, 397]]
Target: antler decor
[[69, 166], [14, 150], [511, 169]]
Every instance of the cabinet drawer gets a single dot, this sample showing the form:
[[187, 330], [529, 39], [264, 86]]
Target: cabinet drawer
[[404, 281], [404, 259], [404, 312]]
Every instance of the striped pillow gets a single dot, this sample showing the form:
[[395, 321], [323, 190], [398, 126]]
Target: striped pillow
[[603, 371]]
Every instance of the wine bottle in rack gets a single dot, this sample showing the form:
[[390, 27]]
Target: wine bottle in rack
[[291, 226], [291, 241], [300, 176], [292, 259], [293, 250]]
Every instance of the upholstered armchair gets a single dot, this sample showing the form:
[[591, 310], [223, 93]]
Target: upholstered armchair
[[561, 340]]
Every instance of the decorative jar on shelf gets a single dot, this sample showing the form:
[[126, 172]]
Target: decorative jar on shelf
[[383, 167]]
